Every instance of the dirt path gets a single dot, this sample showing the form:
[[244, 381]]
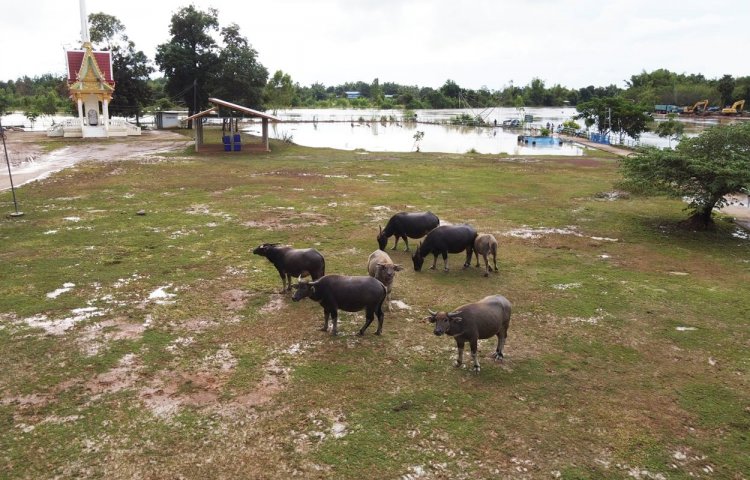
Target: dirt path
[[622, 152], [30, 163]]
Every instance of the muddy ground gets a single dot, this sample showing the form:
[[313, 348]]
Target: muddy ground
[[30, 161]]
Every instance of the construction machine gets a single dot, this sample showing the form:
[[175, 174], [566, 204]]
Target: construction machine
[[699, 107], [735, 109]]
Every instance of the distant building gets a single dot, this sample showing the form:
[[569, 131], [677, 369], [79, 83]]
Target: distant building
[[168, 119], [352, 95]]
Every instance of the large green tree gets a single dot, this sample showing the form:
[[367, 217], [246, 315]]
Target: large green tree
[[190, 58], [704, 169], [725, 86], [240, 77], [279, 91], [614, 115], [130, 67]]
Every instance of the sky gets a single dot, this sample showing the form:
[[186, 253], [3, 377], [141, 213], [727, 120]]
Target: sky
[[479, 43]]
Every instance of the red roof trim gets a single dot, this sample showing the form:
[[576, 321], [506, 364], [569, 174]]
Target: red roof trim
[[103, 61]]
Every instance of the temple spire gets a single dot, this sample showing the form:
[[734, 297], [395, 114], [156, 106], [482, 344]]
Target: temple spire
[[84, 23]]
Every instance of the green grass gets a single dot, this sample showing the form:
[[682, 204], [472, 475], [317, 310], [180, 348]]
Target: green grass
[[229, 379]]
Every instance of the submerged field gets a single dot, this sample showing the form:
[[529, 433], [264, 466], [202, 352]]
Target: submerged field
[[157, 346]]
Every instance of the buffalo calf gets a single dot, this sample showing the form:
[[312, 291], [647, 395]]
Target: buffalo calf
[[486, 244], [380, 266]]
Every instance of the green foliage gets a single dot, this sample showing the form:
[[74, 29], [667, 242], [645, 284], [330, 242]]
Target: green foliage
[[130, 67], [241, 78], [705, 168], [672, 129], [279, 91], [571, 124], [614, 114], [191, 55], [466, 119]]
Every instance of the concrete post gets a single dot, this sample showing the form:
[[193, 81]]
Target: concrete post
[[265, 135], [105, 111]]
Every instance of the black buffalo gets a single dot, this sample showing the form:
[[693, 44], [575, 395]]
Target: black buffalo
[[468, 323], [407, 225], [291, 262], [351, 294], [443, 240]]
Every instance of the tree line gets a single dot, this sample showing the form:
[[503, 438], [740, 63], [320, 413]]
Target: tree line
[[195, 66]]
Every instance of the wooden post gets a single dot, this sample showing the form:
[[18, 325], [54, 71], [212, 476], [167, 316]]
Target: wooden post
[[265, 135]]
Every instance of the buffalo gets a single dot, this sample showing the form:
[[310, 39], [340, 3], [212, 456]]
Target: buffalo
[[443, 240], [380, 266], [292, 262], [407, 225], [483, 319], [351, 294], [486, 244]]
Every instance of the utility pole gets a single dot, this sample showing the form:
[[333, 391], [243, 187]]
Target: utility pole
[[10, 176]]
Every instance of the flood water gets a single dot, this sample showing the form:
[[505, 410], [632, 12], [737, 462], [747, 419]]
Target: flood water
[[385, 130]]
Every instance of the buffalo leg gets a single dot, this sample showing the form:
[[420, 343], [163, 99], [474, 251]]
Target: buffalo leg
[[460, 348], [406, 241], [395, 245], [369, 316], [326, 314], [445, 261], [469, 253], [283, 281], [487, 267], [477, 254], [335, 316], [500, 344], [289, 282], [380, 314], [434, 261], [494, 259], [474, 358]]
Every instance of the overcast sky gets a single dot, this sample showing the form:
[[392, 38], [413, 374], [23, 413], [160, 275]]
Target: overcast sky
[[420, 42]]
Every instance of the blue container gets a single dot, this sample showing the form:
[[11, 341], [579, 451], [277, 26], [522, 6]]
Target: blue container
[[237, 138], [237, 147], [225, 139], [227, 147]]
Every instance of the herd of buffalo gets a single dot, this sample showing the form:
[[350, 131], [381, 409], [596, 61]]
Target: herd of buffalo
[[486, 318]]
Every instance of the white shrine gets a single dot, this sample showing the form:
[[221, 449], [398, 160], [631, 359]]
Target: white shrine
[[91, 87]]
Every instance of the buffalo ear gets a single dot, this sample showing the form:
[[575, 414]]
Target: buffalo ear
[[398, 268], [380, 232], [432, 316]]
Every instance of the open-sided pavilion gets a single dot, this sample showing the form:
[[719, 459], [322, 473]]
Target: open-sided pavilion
[[235, 113]]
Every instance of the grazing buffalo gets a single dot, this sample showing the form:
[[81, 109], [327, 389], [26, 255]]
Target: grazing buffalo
[[486, 244], [473, 321], [407, 225], [443, 240], [380, 266], [292, 262], [351, 294]]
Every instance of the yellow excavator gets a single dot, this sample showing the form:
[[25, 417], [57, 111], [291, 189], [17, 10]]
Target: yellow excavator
[[699, 107], [735, 109]]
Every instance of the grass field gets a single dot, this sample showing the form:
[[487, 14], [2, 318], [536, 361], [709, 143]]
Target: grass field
[[157, 346]]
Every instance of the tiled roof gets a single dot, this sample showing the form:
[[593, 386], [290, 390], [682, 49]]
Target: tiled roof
[[75, 58]]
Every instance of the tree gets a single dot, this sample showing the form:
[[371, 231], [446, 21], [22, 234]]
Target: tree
[[614, 114], [279, 91], [240, 77], [704, 169], [725, 86], [130, 67], [672, 129], [190, 58]]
